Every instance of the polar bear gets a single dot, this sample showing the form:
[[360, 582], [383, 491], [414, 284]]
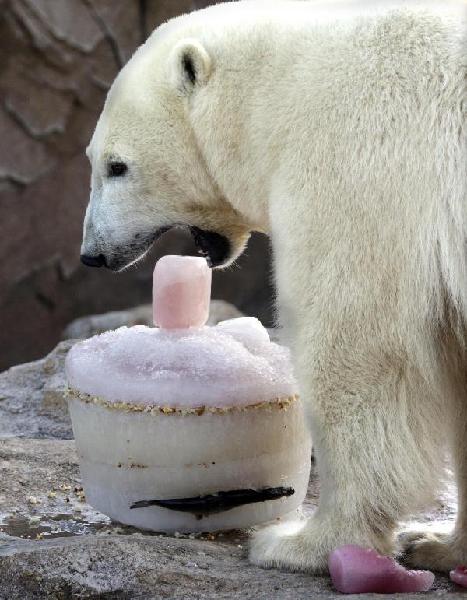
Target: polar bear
[[341, 131]]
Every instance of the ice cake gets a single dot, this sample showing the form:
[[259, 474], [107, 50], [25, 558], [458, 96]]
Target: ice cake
[[184, 427]]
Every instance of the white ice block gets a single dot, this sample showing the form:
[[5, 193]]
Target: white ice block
[[127, 456]]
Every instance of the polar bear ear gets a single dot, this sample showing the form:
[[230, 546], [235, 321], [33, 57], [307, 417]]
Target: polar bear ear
[[191, 65]]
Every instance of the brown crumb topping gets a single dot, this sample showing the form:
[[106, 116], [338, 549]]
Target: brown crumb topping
[[274, 404]]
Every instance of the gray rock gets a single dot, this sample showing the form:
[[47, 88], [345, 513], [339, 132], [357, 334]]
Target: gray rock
[[22, 158], [32, 398], [69, 22], [41, 111], [117, 18]]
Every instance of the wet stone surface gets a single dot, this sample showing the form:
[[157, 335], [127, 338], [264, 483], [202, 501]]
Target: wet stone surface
[[54, 545]]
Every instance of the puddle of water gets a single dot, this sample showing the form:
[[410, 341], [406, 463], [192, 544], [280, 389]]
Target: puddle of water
[[66, 525], [48, 526]]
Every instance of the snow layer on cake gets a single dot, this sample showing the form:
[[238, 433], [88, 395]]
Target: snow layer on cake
[[231, 364]]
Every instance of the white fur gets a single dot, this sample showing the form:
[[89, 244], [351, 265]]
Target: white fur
[[341, 131]]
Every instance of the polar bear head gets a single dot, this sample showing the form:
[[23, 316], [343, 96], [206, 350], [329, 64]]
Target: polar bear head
[[148, 171]]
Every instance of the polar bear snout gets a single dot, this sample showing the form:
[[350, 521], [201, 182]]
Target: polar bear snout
[[215, 247], [102, 249], [93, 261]]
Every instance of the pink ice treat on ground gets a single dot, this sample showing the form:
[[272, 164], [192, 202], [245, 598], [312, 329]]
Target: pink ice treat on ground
[[459, 575], [356, 570], [181, 292]]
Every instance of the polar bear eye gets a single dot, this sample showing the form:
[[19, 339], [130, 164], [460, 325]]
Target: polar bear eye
[[116, 169]]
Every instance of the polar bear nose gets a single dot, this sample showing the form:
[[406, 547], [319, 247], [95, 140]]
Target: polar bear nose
[[93, 261]]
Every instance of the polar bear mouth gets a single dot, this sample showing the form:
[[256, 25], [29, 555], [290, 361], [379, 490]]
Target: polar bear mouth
[[216, 248], [213, 246]]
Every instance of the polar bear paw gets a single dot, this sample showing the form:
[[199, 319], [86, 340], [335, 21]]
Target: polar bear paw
[[290, 547], [433, 551]]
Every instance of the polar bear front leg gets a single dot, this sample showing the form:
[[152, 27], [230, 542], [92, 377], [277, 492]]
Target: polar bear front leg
[[374, 461]]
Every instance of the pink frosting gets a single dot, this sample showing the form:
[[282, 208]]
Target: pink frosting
[[181, 292], [459, 575], [357, 570]]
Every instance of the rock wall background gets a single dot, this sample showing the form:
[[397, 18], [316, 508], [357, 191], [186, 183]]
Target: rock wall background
[[57, 60]]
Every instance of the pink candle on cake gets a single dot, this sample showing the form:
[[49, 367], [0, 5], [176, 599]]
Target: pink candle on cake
[[181, 292]]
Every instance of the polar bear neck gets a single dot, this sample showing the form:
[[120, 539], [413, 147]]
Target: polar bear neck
[[263, 62]]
